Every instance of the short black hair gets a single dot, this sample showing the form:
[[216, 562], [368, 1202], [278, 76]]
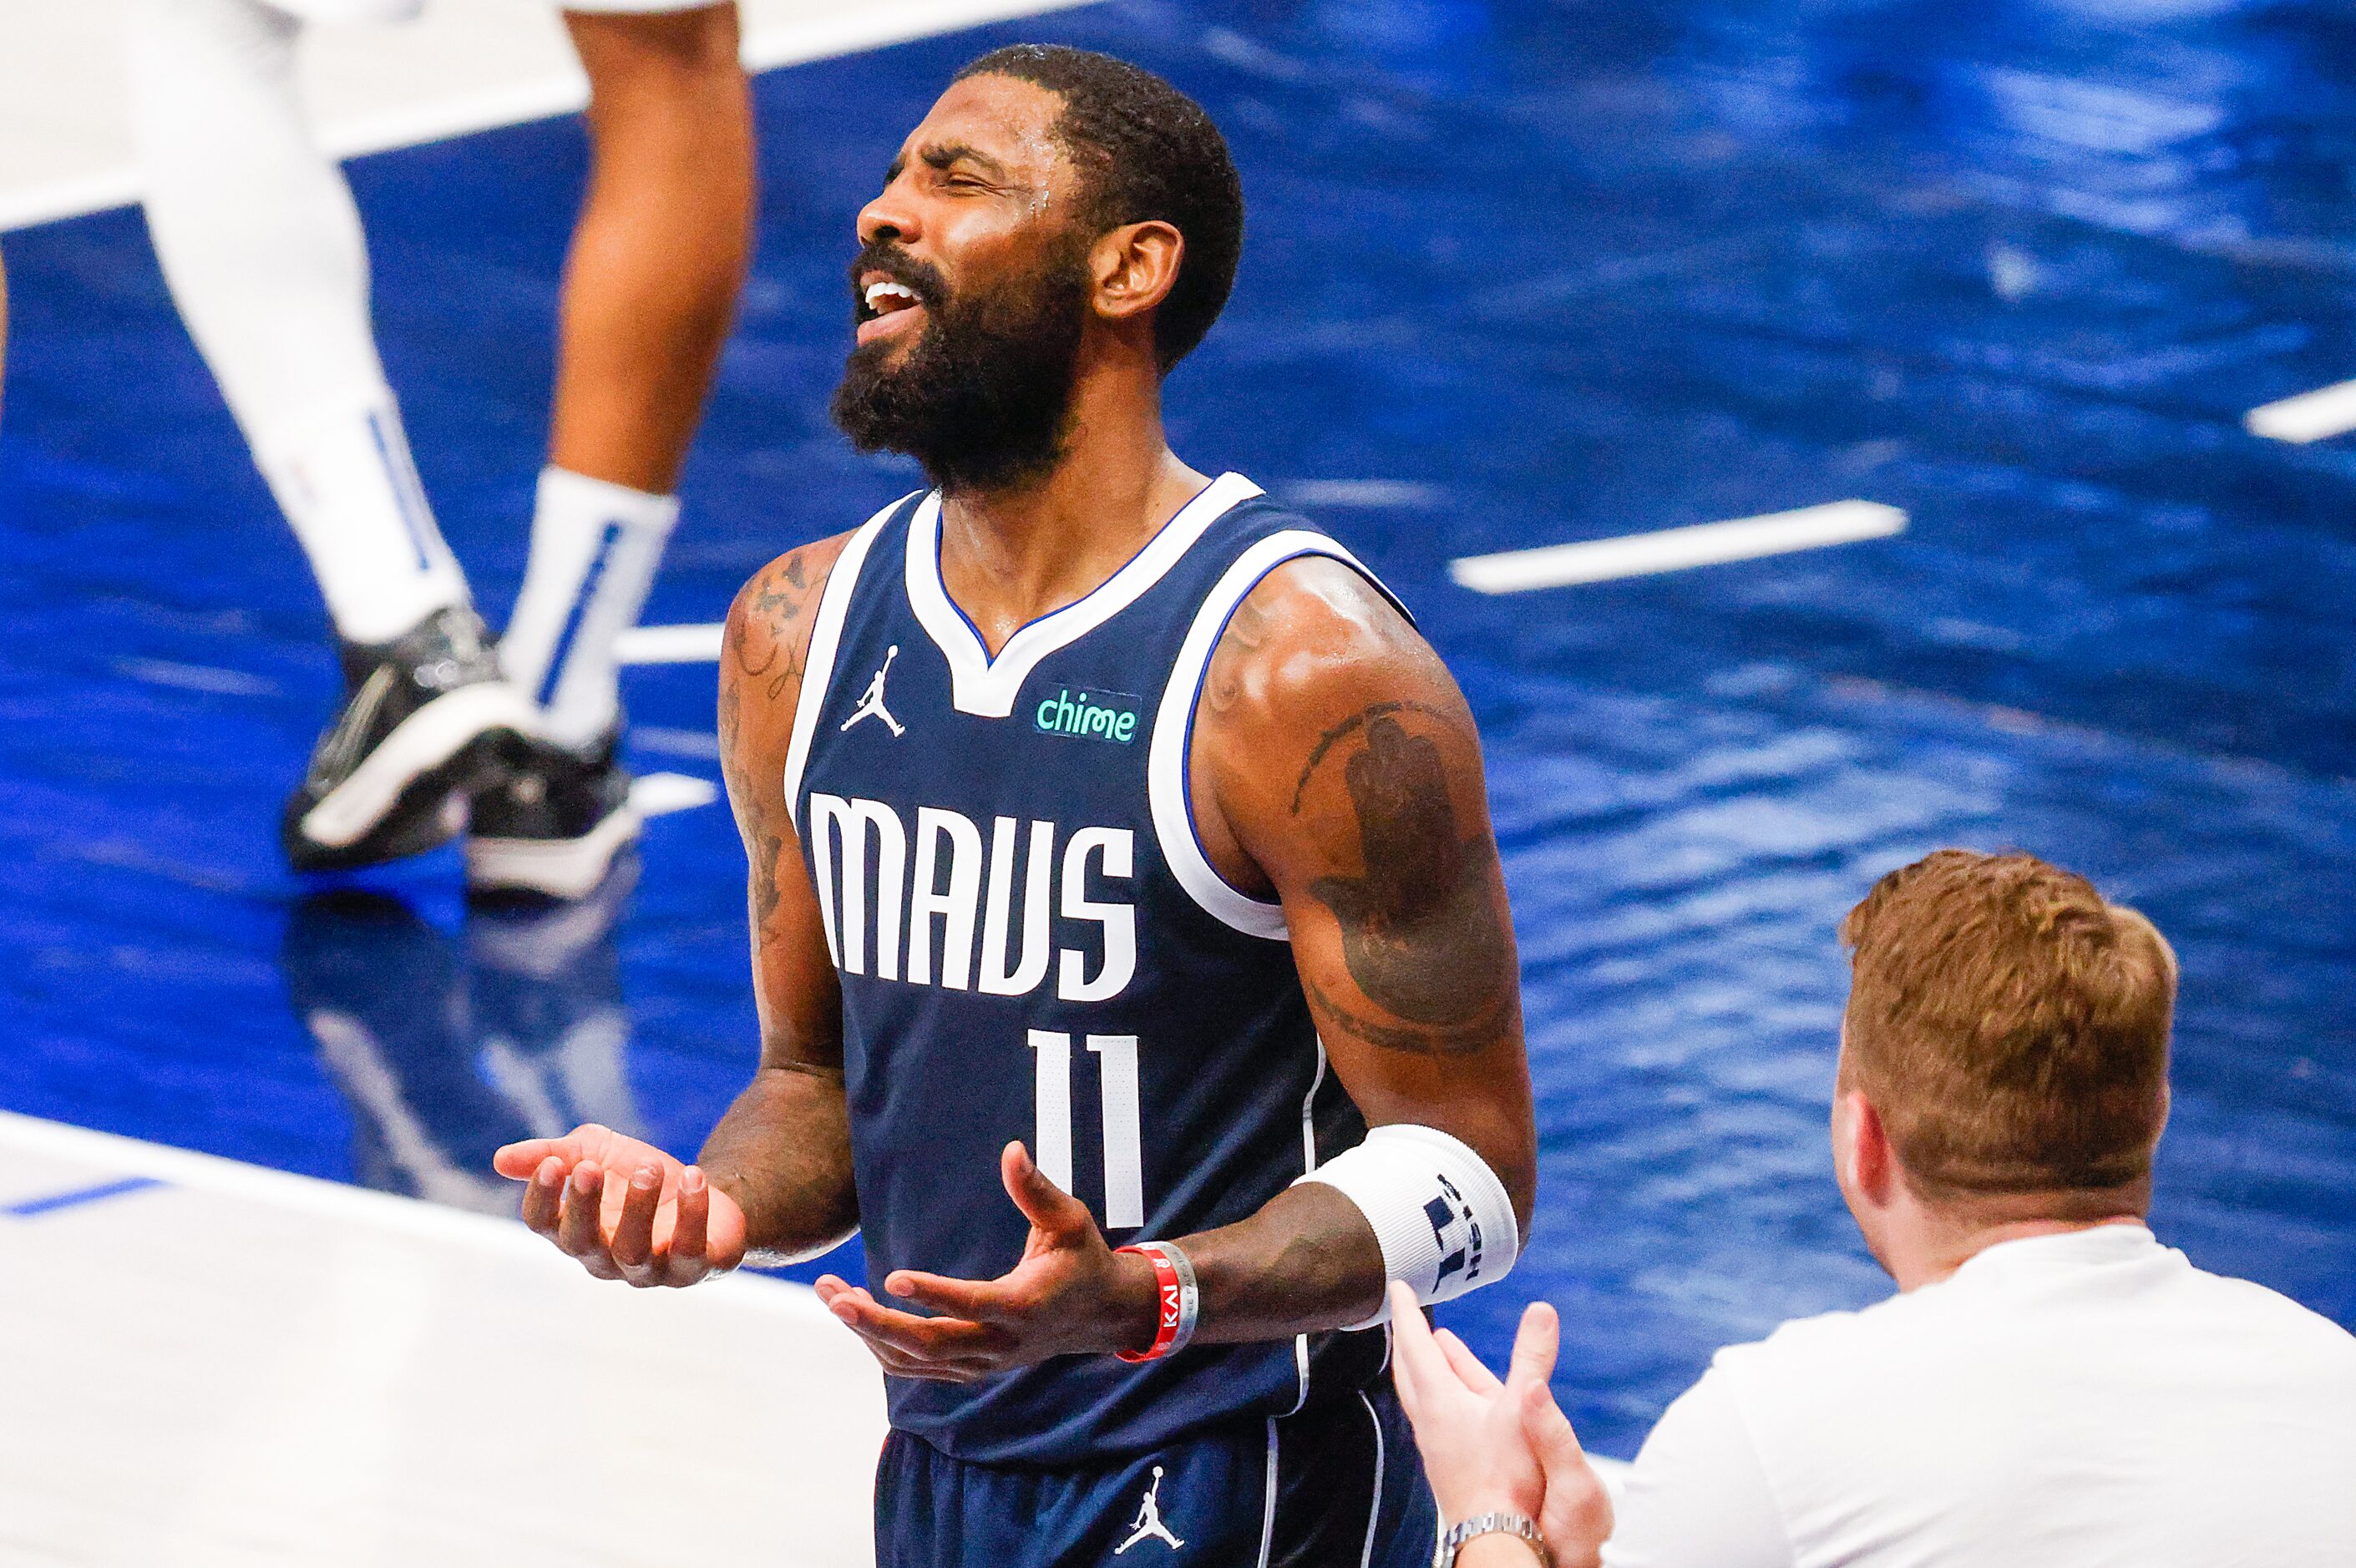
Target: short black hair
[[1149, 152]]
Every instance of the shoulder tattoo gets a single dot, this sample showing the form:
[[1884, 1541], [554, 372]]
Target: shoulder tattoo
[[1423, 927]]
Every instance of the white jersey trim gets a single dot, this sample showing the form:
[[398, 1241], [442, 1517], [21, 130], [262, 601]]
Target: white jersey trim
[[987, 687], [1373, 1513], [1308, 1164], [1167, 795], [826, 640], [1268, 1509]]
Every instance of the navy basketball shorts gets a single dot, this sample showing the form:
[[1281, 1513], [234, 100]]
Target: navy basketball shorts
[[1336, 1486]]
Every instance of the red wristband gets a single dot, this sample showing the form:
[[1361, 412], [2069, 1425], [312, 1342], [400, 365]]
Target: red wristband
[[1172, 1292]]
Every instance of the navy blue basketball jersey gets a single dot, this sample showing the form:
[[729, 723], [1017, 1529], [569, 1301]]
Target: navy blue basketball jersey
[[1033, 946]]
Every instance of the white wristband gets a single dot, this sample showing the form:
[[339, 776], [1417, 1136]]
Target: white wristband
[[1442, 1216]]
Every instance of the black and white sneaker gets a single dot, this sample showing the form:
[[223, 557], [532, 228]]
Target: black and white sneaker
[[423, 716], [554, 822]]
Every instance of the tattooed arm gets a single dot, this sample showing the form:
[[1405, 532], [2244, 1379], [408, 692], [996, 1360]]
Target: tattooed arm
[[775, 1176], [1335, 768], [783, 1151]]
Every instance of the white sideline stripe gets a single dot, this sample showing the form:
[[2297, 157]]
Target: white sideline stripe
[[2310, 416], [671, 645], [850, 30], [385, 1211], [1675, 549], [342, 1205], [660, 794], [33, 205], [854, 29], [704, 745]]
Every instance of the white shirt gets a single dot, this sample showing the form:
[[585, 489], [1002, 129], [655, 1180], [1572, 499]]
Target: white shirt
[[2081, 1400]]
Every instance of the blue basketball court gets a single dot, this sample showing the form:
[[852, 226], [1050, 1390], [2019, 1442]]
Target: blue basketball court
[[1519, 274]]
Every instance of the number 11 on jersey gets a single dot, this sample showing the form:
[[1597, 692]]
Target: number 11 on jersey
[[1124, 1138]]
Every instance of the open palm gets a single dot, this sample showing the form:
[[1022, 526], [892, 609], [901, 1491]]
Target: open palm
[[623, 1209]]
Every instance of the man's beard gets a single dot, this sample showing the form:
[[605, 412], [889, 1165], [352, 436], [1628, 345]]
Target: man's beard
[[980, 398]]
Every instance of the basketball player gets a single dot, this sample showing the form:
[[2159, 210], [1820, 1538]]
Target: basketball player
[[1114, 835], [262, 246]]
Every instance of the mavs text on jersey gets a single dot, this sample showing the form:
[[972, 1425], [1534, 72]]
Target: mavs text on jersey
[[1134, 968], [1033, 946]]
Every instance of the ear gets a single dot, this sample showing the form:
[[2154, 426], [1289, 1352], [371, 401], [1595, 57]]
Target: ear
[[1861, 1151], [1134, 267]]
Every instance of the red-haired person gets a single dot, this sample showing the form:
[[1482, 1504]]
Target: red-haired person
[[2051, 1385]]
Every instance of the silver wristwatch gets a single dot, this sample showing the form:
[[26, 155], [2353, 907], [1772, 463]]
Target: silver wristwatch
[[1453, 1539]]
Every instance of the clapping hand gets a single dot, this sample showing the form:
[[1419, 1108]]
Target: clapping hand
[[1498, 1446]]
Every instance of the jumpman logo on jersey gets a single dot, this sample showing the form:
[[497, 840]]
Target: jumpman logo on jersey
[[1148, 1525], [871, 704]]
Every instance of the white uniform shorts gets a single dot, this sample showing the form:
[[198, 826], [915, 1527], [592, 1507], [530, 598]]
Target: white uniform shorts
[[406, 10]]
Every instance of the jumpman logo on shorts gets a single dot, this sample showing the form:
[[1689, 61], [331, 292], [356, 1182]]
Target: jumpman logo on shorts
[[871, 704], [1148, 1525]]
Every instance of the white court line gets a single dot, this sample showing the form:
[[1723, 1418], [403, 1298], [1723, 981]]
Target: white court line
[[704, 745], [1675, 549], [2310, 416], [660, 794], [848, 30], [32, 205], [281, 1372], [1366, 493], [870, 26], [671, 645], [1509, 572], [342, 1203], [365, 1207]]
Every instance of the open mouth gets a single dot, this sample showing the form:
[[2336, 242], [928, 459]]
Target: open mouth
[[886, 306]]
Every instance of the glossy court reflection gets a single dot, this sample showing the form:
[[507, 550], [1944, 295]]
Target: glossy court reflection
[[447, 1046], [1522, 273]]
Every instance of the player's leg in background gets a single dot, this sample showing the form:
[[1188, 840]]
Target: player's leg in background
[[650, 289], [665, 234], [263, 249], [262, 246]]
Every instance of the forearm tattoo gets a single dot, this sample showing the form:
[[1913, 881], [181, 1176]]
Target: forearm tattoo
[[762, 647]]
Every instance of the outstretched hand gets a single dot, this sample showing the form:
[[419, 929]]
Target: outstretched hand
[[1069, 1294], [1498, 1446], [624, 1210]]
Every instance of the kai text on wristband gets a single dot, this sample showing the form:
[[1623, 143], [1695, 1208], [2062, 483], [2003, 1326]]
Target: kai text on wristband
[[1177, 1303]]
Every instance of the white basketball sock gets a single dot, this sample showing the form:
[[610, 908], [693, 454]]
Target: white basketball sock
[[345, 483], [594, 549], [263, 249]]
